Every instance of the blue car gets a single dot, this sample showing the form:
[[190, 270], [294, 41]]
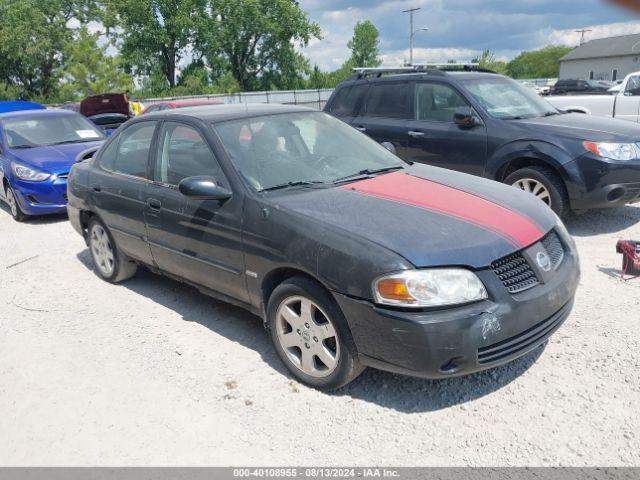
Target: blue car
[[37, 150]]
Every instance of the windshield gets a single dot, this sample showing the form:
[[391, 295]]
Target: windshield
[[504, 98], [294, 148], [49, 130]]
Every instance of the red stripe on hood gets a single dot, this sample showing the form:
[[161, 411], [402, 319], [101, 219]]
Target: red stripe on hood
[[407, 189]]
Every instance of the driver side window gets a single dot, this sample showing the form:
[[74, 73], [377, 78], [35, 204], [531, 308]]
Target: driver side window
[[437, 103], [183, 153]]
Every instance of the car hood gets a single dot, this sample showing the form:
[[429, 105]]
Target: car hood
[[429, 216], [55, 159], [585, 127]]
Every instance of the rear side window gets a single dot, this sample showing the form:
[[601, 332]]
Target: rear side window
[[183, 153], [389, 100], [132, 152], [347, 100]]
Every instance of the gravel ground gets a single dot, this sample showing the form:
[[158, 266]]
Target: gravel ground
[[151, 372]]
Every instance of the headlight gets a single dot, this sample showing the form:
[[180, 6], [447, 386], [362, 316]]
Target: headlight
[[429, 288], [614, 151], [26, 173]]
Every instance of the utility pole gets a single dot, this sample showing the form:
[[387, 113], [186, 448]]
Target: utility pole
[[412, 32], [582, 32]]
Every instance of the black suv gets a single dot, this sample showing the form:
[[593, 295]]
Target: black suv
[[489, 125], [579, 87]]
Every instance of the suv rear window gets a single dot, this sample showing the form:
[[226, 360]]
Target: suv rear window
[[388, 100], [347, 99]]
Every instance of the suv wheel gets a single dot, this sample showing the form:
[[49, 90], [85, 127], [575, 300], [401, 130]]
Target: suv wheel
[[545, 184], [14, 206], [311, 335], [110, 263]]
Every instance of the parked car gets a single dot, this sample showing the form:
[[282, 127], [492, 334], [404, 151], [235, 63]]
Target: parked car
[[171, 104], [578, 87], [352, 257], [620, 101], [489, 125], [108, 110], [18, 105], [37, 150]]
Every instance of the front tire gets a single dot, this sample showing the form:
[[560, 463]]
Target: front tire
[[545, 184], [110, 263], [14, 207], [311, 335]]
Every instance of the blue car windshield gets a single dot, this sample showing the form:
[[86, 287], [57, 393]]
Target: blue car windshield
[[41, 131]]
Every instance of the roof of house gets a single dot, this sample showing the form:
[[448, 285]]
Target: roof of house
[[606, 47]]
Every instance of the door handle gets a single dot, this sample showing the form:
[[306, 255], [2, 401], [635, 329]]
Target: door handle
[[154, 204], [96, 188], [415, 134], [361, 129]]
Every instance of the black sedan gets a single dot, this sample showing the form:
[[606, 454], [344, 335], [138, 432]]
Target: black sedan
[[352, 256]]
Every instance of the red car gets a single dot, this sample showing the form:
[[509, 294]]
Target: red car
[[171, 104]]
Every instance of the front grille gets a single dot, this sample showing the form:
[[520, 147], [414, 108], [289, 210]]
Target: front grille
[[63, 175], [554, 248], [524, 340], [515, 273], [65, 197]]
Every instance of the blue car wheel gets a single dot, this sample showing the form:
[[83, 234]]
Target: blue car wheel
[[14, 206]]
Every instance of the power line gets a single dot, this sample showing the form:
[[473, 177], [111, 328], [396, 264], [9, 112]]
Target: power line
[[412, 32], [582, 32]]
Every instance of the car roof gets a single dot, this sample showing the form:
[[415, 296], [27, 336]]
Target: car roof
[[37, 113], [437, 75], [189, 102], [222, 113]]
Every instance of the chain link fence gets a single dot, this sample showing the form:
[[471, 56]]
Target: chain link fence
[[310, 98]]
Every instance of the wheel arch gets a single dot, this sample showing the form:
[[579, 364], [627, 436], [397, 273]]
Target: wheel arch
[[279, 275], [516, 155]]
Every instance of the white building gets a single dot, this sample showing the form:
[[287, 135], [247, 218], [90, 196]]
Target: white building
[[603, 59]]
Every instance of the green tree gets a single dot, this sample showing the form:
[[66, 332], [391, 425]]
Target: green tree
[[256, 40], [543, 63], [33, 37], [89, 70], [153, 35], [488, 60], [364, 45]]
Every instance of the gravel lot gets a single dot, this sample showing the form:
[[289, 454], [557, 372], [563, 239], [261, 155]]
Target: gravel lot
[[151, 372]]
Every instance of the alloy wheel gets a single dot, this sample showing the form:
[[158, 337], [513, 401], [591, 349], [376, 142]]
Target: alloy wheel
[[11, 200], [102, 251], [534, 187], [307, 336]]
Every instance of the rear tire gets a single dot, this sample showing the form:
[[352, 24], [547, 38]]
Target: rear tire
[[14, 207], [544, 183], [311, 335], [110, 263]]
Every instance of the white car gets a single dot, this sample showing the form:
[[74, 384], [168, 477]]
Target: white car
[[622, 101]]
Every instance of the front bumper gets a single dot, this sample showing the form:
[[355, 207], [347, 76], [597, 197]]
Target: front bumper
[[463, 340], [42, 198], [603, 183]]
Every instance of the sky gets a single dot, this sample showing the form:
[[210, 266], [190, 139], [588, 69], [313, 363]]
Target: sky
[[460, 29]]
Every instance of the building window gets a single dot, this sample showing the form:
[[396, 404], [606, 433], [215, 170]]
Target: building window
[[591, 75], [614, 75]]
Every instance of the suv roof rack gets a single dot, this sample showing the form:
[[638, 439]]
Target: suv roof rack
[[430, 68]]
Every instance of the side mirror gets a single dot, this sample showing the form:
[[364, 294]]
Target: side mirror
[[389, 146], [86, 154], [203, 188], [465, 118]]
